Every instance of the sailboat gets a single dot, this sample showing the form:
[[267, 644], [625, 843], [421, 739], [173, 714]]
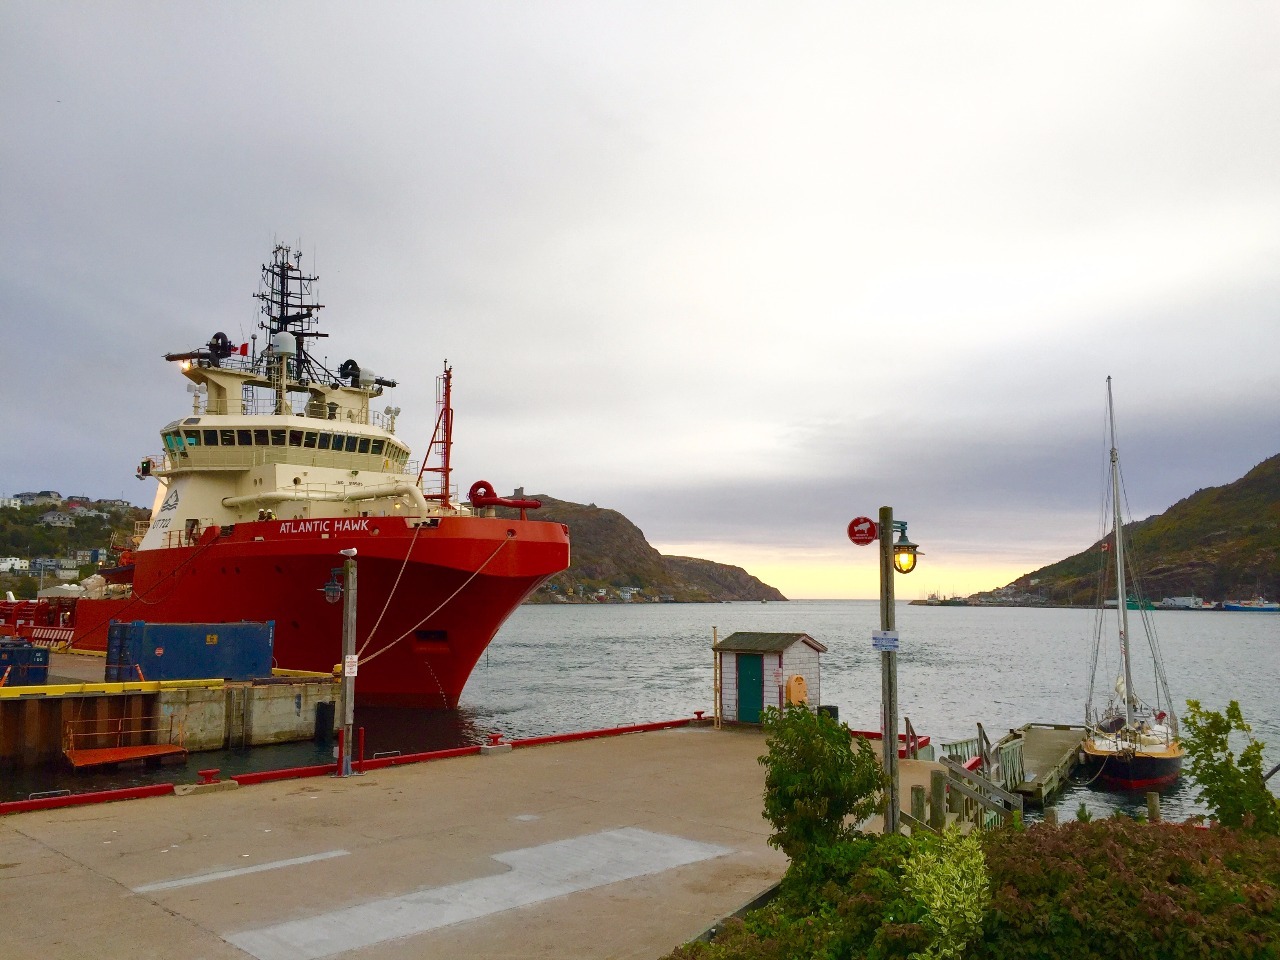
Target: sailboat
[[1130, 743]]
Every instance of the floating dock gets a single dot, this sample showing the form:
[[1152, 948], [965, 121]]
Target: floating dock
[[1048, 754]]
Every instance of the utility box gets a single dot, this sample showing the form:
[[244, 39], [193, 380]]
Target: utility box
[[758, 670], [189, 651], [23, 664]]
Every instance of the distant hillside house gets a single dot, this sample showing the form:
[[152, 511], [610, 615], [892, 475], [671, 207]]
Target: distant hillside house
[[123, 504], [55, 518], [10, 502], [30, 498], [84, 500], [14, 565], [84, 510]]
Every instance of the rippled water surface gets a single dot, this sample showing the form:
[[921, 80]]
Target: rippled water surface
[[556, 669]]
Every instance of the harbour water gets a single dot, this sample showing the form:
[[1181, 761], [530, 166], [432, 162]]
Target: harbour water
[[562, 668]]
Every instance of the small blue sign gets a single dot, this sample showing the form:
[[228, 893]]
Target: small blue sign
[[885, 641]]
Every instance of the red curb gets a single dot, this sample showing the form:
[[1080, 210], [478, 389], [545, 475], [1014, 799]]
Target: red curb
[[78, 799]]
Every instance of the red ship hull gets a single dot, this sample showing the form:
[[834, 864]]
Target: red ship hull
[[430, 598]]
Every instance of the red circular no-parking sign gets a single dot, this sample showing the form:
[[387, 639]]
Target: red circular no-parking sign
[[862, 531]]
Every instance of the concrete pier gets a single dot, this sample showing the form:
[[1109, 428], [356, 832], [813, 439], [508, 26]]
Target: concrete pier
[[617, 847]]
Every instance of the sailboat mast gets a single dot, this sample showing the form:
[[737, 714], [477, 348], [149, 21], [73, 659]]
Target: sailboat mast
[[1122, 604]]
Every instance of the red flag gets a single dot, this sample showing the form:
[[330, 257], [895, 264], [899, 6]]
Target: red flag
[[244, 349]]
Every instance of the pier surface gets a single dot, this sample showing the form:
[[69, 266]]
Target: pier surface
[[618, 847]]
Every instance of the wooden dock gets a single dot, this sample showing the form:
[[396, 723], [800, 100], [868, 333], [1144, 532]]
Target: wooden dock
[[1048, 755]]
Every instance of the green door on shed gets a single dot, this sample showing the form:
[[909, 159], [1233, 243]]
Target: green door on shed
[[750, 687]]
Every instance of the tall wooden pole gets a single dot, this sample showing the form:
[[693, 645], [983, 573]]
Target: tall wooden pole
[[889, 674]]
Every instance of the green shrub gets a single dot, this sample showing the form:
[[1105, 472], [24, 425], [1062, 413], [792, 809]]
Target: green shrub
[[1233, 790], [818, 784], [1081, 891], [1115, 887], [948, 878]]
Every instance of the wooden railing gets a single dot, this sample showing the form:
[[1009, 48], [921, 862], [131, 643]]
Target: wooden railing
[[974, 790], [1001, 762]]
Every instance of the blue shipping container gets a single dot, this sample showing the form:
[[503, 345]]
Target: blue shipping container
[[189, 651], [26, 664]]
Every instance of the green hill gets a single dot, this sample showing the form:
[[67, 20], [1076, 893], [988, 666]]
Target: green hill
[[609, 553], [1220, 543], [22, 535]]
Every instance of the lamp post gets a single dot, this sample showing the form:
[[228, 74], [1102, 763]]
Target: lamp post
[[900, 557]]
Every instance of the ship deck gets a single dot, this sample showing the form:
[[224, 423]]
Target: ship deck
[[618, 847]]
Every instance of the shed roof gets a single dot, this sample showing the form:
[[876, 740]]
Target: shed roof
[[765, 642]]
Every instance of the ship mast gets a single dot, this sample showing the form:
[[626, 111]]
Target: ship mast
[[290, 321], [1122, 605], [441, 437]]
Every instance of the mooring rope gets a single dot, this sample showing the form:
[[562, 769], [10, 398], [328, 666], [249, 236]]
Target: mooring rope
[[442, 605], [395, 586]]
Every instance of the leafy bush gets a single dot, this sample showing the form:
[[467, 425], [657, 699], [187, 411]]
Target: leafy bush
[[818, 785], [949, 880], [1144, 891], [846, 900], [1233, 790], [1082, 891]]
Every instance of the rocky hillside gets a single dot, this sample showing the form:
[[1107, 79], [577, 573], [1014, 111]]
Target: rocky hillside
[[610, 553], [1220, 543]]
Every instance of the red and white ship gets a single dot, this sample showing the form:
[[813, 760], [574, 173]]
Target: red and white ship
[[280, 465]]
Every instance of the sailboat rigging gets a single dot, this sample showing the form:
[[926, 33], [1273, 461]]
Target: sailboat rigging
[[1130, 744]]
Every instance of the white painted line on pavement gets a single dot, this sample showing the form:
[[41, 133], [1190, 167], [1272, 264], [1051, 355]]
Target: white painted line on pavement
[[238, 872], [537, 873]]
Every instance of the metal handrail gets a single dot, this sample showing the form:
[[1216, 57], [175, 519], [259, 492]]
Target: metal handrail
[[116, 728]]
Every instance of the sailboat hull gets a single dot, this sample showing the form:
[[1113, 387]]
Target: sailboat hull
[[1127, 769]]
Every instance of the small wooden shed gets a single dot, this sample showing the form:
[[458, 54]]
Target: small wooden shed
[[758, 670]]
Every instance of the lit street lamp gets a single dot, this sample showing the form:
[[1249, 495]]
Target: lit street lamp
[[904, 551], [900, 557]]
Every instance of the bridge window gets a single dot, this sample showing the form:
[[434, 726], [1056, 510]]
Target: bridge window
[[324, 440], [277, 438], [228, 437], [376, 448], [309, 439], [295, 438], [364, 444], [211, 438], [262, 438], [351, 444], [193, 437], [244, 438]]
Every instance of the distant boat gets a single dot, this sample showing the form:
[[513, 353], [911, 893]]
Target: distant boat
[[1256, 605], [1131, 603], [1130, 744], [1183, 603]]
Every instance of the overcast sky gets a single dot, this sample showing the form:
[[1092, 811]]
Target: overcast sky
[[742, 271]]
